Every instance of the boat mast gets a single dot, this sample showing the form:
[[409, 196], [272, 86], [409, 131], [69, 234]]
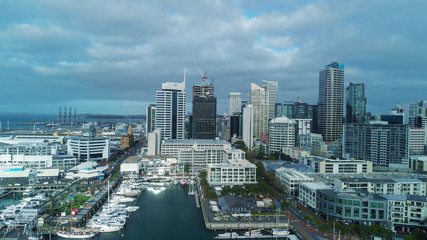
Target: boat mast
[[71, 215]]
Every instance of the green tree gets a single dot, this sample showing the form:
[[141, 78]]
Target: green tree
[[186, 168], [225, 190], [286, 204], [260, 153], [308, 218], [241, 145], [317, 222], [203, 174], [325, 228], [365, 231]]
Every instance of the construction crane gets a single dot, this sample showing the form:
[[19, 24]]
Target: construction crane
[[204, 76]]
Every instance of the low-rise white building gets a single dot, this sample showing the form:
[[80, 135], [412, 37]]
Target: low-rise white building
[[131, 166], [160, 165], [89, 148], [307, 193], [291, 179], [408, 210], [234, 172], [393, 186], [325, 165], [296, 153]]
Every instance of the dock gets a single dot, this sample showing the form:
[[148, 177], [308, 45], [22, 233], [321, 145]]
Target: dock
[[237, 225], [249, 237]]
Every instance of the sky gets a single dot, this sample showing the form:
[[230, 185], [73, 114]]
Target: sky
[[111, 56]]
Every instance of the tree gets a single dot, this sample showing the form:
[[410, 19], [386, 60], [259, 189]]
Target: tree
[[286, 204], [325, 228], [261, 172], [203, 174], [365, 231], [241, 145], [317, 222], [225, 190], [260, 152], [308, 218], [186, 168]]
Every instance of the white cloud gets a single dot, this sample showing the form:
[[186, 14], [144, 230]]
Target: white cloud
[[126, 49]]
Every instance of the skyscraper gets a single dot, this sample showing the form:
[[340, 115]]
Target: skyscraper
[[271, 87], [150, 118], [331, 100], [234, 103], [355, 103], [204, 112], [170, 110], [258, 98], [248, 126]]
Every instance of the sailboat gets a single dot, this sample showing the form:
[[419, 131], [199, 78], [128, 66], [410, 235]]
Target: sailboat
[[278, 232], [227, 234], [75, 233]]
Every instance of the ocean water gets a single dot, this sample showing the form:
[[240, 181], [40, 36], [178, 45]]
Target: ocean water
[[170, 214], [20, 118]]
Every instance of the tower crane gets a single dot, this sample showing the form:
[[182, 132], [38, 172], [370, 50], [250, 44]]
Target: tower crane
[[204, 76]]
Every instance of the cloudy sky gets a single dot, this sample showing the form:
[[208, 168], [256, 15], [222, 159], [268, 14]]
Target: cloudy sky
[[104, 56]]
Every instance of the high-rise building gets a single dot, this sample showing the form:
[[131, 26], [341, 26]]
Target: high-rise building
[[355, 103], [248, 126], [281, 133], [150, 118], [234, 103], [381, 143], [285, 109], [258, 98], [271, 87], [331, 100], [298, 110], [223, 127], [416, 141], [204, 112], [170, 110]]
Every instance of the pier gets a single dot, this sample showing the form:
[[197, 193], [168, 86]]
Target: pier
[[212, 224]]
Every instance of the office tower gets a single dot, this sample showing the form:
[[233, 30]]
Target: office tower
[[383, 144], [258, 98], [355, 103], [248, 126], [236, 126], [150, 118], [223, 127], [285, 109], [298, 110], [234, 103], [271, 88], [281, 133], [170, 110], [203, 120], [416, 141], [331, 100]]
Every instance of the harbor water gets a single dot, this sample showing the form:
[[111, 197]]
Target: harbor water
[[166, 213]]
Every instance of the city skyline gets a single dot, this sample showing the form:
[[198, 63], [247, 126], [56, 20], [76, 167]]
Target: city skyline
[[110, 57]]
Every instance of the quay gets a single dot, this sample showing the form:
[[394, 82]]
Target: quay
[[249, 237], [85, 212], [212, 224]]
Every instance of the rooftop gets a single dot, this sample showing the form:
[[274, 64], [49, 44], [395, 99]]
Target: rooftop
[[197, 141], [316, 185], [132, 159]]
